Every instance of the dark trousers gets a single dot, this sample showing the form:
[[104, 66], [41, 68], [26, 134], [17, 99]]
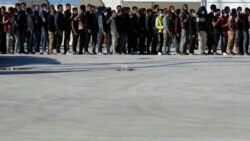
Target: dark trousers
[[224, 39], [160, 42], [154, 43], [3, 47], [216, 40], [37, 41], [22, 32], [94, 35], [142, 39], [210, 41], [87, 40], [29, 42], [75, 41], [66, 40], [192, 43], [149, 41], [82, 40], [245, 41], [59, 37]]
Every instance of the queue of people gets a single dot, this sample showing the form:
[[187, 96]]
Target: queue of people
[[43, 29]]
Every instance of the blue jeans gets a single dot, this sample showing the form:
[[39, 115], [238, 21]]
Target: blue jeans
[[44, 40]]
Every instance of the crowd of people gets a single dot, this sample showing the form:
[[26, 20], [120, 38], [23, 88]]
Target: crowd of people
[[43, 29]]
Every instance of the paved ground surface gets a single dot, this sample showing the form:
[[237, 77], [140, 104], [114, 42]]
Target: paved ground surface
[[162, 98]]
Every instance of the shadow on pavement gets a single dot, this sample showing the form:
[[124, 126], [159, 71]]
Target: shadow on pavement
[[15, 61]]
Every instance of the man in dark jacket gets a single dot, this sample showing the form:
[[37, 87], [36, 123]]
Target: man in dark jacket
[[192, 31], [22, 23], [210, 30], [59, 23], [67, 17], [245, 26], [88, 28], [184, 19]]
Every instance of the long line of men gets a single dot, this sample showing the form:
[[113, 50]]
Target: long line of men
[[124, 30]]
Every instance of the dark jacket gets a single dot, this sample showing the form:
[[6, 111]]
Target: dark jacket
[[51, 23], [88, 21], [120, 22], [245, 23], [177, 25], [67, 17], [21, 20], [192, 25], [59, 21], [201, 21], [37, 21], [183, 17]]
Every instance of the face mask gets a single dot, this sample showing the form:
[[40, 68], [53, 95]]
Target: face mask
[[225, 15], [202, 12], [160, 14], [194, 14], [173, 11], [130, 16]]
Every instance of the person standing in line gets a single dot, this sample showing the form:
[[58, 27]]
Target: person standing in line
[[67, 29], [88, 29], [216, 30], [150, 30], [37, 29], [155, 35], [44, 27], [245, 27], [15, 27], [122, 32], [184, 19], [101, 25], [81, 22], [231, 32], [192, 32], [60, 26], [238, 32], [4, 25], [141, 30], [22, 23], [201, 29], [107, 30], [224, 31], [114, 32], [94, 33], [159, 26], [8, 20], [177, 27], [75, 31], [30, 31], [51, 29], [210, 37], [166, 32]]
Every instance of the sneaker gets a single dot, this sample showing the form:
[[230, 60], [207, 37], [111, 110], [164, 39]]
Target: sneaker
[[159, 53], [224, 54], [87, 53], [231, 53], [210, 53], [68, 53], [203, 53], [45, 53]]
